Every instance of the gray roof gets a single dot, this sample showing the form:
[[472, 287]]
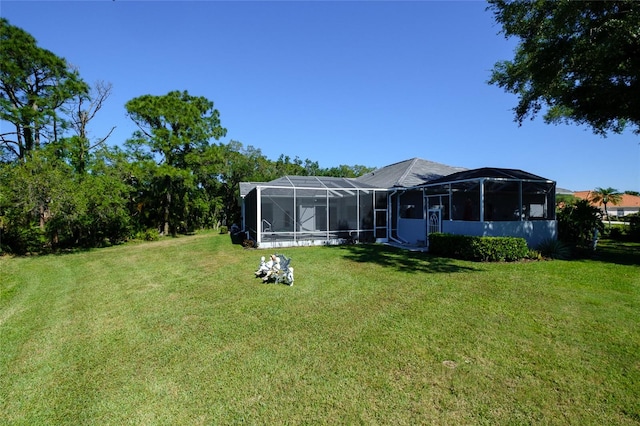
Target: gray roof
[[404, 174], [490, 172], [563, 191], [407, 173]]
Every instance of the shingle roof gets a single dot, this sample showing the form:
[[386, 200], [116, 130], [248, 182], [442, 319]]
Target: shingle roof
[[407, 173]]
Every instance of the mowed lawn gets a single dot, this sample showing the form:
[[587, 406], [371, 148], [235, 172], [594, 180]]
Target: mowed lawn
[[180, 332]]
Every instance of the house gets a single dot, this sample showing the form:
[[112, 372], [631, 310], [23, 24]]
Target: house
[[628, 204], [401, 203]]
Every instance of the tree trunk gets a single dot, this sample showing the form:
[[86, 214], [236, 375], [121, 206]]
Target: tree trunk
[[41, 213], [607, 213], [167, 209]]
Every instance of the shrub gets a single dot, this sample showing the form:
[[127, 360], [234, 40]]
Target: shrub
[[554, 249], [224, 229], [486, 249], [534, 255], [24, 240], [249, 244], [151, 234], [634, 227], [615, 233], [577, 222]]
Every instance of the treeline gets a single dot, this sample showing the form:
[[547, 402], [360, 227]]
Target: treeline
[[59, 188]]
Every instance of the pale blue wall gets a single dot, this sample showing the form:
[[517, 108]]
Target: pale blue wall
[[534, 231], [412, 231]]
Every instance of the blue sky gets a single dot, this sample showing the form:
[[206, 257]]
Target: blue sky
[[358, 82]]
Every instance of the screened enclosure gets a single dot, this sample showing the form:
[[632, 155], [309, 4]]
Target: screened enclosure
[[308, 210], [485, 202], [491, 194], [312, 210]]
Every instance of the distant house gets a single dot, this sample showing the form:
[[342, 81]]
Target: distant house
[[401, 203], [563, 191], [628, 204]]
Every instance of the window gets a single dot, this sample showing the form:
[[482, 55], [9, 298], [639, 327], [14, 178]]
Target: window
[[536, 210]]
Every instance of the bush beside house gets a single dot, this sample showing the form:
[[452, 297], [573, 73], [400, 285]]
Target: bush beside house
[[485, 249]]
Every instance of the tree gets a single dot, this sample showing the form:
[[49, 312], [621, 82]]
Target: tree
[[564, 199], [284, 166], [580, 60], [577, 223], [346, 171], [239, 165], [604, 196], [172, 128], [81, 110], [221, 168], [106, 191], [36, 192], [34, 84]]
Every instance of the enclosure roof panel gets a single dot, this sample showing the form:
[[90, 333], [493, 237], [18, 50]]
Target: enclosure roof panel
[[317, 182], [489, 173], [247, 187], [408, 173]]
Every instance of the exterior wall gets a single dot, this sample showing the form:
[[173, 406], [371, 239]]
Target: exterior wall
[[621, 211], [535, 231], [412, 231]]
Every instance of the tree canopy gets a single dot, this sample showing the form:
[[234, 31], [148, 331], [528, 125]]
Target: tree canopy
[[577, 61], [34, 84], [172, 128], [173, 125], [61, 189]]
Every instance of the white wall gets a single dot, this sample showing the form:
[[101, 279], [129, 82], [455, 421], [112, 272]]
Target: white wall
[[613, 210]]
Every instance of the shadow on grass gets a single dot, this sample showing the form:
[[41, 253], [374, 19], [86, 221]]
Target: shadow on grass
[[620, 253], [401, 260]]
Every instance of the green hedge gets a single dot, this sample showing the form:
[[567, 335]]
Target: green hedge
[[485, 249]]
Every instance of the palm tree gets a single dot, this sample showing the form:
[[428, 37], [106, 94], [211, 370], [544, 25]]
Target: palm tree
[[603, 196]]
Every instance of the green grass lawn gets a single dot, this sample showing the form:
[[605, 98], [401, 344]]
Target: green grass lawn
[[180, 332]]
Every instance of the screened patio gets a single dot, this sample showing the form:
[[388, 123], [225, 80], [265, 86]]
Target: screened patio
[[312, 210], [484, 202]]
